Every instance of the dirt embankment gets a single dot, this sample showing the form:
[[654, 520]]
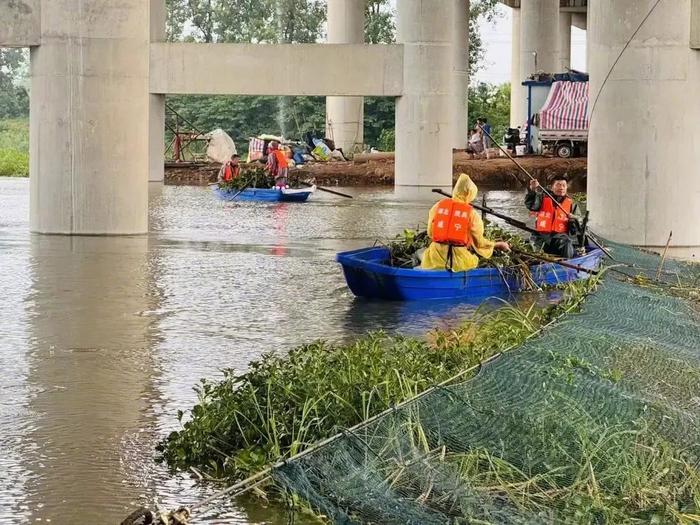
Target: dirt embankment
[[496, 172]]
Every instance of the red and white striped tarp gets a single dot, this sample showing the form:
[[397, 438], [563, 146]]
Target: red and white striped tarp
[[566, 106], [255, 149]]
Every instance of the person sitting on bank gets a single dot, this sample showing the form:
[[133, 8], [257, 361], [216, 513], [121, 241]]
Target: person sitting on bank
[[230, 170], [556, 231], [475, 145], [457, 232], [277, 165]]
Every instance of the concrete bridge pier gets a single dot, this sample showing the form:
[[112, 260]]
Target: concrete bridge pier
[[539, 36], [564, 41], [460, 72], [89, 112], [425, 116], [644, 141], [156, 102], [345, 115], [517, 112], [539, 40]]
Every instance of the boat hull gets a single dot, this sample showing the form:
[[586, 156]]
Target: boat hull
[[264, 195], [369, 275]]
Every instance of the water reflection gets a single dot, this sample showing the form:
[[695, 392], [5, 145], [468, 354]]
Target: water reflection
[[280, 217], [90, 371], [415, 317], [103, 338]]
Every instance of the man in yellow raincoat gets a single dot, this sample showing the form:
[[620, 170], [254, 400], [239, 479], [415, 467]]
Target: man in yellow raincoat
[[457, 232]]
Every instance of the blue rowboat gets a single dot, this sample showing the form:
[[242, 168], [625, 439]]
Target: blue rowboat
[[265, 195], [369, 275]]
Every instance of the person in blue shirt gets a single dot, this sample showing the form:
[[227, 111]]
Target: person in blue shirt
[[483, 124]]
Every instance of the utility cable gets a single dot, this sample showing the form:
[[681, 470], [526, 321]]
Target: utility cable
[[612, 68]]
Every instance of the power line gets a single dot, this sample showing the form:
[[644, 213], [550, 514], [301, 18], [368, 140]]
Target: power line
[[595, 103]]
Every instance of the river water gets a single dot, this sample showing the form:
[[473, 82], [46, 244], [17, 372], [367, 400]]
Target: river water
[[102, 338]]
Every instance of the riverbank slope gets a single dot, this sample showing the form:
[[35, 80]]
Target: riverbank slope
[[498, 172]]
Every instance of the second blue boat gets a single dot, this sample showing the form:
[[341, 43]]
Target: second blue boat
[[265, 194]]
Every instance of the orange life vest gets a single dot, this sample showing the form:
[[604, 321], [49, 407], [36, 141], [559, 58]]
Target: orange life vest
[[552, 218], [452, 223], [231, 172], [281, 158]]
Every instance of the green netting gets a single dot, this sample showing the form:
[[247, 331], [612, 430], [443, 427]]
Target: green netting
[[595, 421]]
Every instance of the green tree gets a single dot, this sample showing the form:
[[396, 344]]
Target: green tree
[[177, 15], [296, 21], [493, 103], [379, 22], [479, 10], [201, 15], [14, 99]]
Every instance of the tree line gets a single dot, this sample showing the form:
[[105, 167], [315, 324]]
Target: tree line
[[273, 21]]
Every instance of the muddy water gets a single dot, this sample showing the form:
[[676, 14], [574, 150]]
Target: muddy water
[[102, 339]]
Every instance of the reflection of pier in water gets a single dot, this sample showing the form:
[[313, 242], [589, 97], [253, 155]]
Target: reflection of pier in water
[[90, 367], [103, 338]]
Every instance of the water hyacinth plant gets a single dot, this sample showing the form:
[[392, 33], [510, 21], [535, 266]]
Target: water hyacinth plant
[[253, 175], [285, 403], [403, 250]]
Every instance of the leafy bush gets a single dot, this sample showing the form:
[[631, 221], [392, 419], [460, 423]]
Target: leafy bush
[[14, 163], [14, 134], [387, 140], [14, 148]]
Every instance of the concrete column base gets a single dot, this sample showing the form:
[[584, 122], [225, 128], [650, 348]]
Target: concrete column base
[[564, 42], [89, 119], [517, 112], [345, 116], [460, 72]]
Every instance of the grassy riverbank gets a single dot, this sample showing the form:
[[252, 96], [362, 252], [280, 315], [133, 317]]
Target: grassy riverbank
[[14, 148], [285, 403]]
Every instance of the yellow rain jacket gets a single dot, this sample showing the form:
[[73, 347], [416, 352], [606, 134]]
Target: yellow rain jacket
[[435, 256]]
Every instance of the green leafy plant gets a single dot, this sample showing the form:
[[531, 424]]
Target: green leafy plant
[[285, 403], [14, 148]]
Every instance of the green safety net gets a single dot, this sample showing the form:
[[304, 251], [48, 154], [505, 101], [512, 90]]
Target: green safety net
[[595, 420]]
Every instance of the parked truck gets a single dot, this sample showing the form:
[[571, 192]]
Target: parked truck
[[559, 125]]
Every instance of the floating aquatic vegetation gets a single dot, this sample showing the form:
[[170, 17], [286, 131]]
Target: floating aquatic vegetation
[[284, 403], [254, 175], [404, 247]]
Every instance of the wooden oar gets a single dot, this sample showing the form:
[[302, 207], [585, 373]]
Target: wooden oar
[[239, 192], [321, 188], [591, 237], [554, 261], [509, 220]]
